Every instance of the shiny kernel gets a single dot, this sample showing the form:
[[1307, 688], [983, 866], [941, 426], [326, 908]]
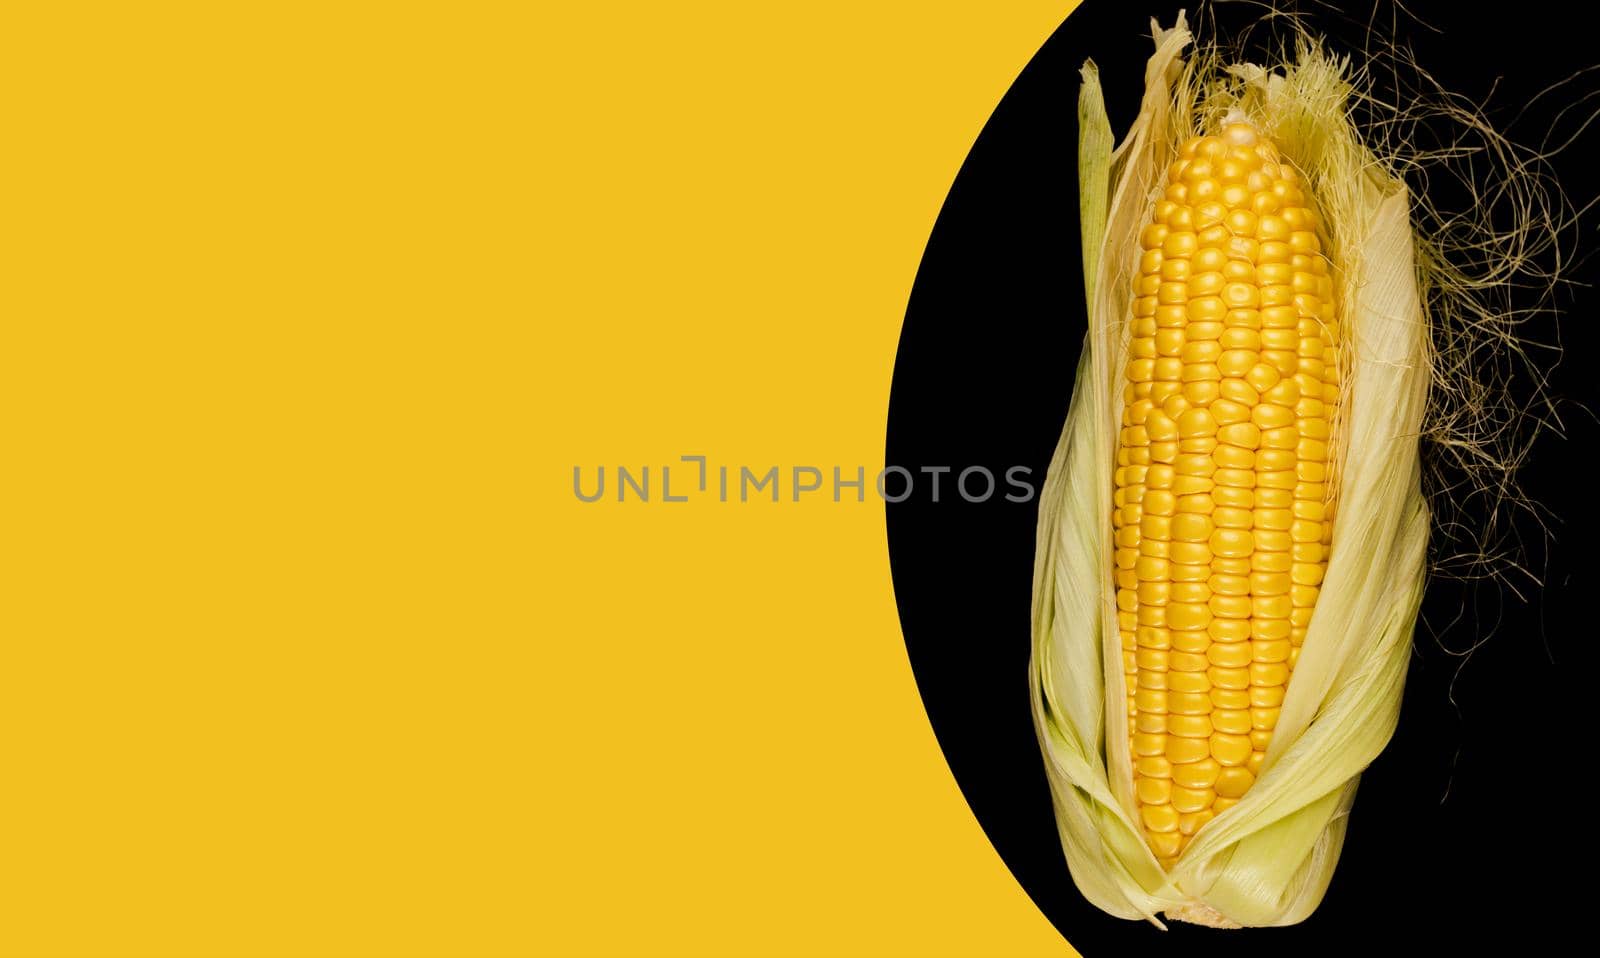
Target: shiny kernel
[[1180, 243], [1286, 393], [1276, 480], [1239, 459], [1229, 456], [1303, 596], [1229, 584], [1150, 700], [1223, 804], [1189, 527], [1204, 331], [1262, 377], [1231, 607], [1150, 722], [1235, 655], [1260, 739], [1264, 673], [1171, 317], [1149, 743], [1307, 573], [1196, 423], [1241, 221], [1245, 435], [1278, 315], [1186, 800], [1201, 392], [1306, 509], [1242, 319], [1230, 699], [1180, 751], [1229, 678], [1230, 750], [1229, 517], [1237, 337], [1231, 721], [1239, 391], [1236, 362], [1153, 766], [1199, 773], [1234, 782], [1266, 696], [1208, 283], [1228, 630], [1153, 791], [1273, 519], [1188, 682], [1274, 498], [1238, 478], [1153, 593], [1271, 606], [1271, 226], [1185, 616], [1269, 583], [1232, 542], [1227, 411], [1159, 818], [1156, 527], [1285, 361], [1210, 213], [1191, 823], [1223, 566], [1306, 531], [1269, 630], [1241, 296], [1264, 718], [1152, 637], [1189, 726]]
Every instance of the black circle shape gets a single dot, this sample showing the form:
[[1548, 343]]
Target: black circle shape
[[1469, 825]]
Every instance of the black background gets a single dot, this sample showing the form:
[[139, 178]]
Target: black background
[[1475, 821]]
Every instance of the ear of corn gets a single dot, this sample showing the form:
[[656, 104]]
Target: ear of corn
[[1235, 499]]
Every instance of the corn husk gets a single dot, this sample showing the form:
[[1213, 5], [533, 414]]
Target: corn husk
[[1267, 860]]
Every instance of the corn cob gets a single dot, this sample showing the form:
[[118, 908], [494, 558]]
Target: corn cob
[[1222, 504], [1256, 356]]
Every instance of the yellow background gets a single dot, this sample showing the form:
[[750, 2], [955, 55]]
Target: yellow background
[[309, 311]]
